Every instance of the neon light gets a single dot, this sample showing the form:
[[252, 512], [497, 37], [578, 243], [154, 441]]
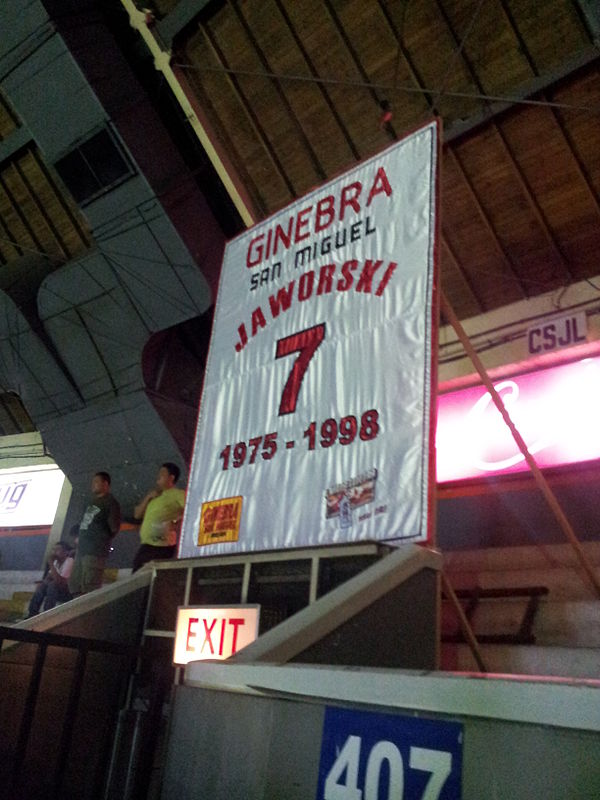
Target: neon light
[[555, 411]]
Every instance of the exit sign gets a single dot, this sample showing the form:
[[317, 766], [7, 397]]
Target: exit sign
[[213, 632]]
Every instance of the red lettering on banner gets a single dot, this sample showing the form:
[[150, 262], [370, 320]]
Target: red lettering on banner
[[380, 184], [386, 278], [243, 338], [350, 195], [190, 635], [305, 286], [326, 279], [325, 284], [366, 276], [344, 285], [255, 252], [315, 218], [325, 208], [258, 320], [269, 240], [302, 224], [280, 236], [281, 301]]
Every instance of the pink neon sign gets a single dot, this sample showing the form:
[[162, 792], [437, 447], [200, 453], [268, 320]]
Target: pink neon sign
[[555, 410]]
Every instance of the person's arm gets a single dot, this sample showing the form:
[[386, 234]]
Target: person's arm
[[140, 509], [114, 517], [55, 576], [181, 500]]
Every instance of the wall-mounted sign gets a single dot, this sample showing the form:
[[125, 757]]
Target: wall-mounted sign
[[556, 333], [214, 632], [383, 756], [315, 412], [29, 497], [555, 410]]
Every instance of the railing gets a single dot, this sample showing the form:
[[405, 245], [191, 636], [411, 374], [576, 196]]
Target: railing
[[476, 595], [126, 655]]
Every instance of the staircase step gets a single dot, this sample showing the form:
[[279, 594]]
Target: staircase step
[[12, 581], [553, 566], [9, 612], [23, 597], [555, 623], [571, 662]]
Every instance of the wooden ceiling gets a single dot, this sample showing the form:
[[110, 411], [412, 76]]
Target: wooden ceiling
[[37, 216], [295, 89]]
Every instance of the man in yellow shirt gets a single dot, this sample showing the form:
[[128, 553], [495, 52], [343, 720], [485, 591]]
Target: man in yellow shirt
[[160, 511]]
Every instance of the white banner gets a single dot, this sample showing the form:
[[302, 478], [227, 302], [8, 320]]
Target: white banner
[[315, 424]]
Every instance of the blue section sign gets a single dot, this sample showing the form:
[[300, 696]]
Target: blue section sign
[[371, 756]]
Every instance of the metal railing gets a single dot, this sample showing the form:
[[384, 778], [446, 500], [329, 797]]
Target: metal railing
[[126, 655]]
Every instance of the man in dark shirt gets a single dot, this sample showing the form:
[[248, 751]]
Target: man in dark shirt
[[100, 523]]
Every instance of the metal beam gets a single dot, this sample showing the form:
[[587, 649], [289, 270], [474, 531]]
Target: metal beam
[[162, 62], [523, 93], [15, 140], [589, 11]]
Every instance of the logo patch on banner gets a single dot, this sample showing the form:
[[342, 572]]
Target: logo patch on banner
[[220, 521], [340, 500]]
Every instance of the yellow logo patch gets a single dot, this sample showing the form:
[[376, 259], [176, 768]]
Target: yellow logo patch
[[220, 521]]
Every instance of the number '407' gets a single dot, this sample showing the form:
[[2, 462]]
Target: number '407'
[[342, 779]]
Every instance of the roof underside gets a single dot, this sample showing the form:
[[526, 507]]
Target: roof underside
[[295, 91]]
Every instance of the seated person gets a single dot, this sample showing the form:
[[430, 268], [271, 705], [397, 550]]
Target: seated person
[[53, 588]]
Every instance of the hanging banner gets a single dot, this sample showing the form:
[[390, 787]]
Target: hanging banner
[[315, 423]]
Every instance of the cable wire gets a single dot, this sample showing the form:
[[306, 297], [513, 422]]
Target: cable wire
[[388, 87]]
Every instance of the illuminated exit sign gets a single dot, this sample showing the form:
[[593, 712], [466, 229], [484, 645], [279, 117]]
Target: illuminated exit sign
[[213, 632]]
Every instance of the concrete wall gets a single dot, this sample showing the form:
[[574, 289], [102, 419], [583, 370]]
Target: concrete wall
[[519, 740]]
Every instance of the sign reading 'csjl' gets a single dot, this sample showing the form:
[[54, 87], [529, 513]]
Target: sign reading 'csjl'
[[315, 423]]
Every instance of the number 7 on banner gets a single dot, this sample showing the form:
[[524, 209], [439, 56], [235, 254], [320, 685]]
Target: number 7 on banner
[[305, 343]]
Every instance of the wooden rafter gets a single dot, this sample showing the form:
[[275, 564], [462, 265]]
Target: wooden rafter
[[44, 216], [518, 172], [552, 110], [318, 167], [486, 220], [462, 272], [229, 145], [255, 123], [321, 87], [356, 61]]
